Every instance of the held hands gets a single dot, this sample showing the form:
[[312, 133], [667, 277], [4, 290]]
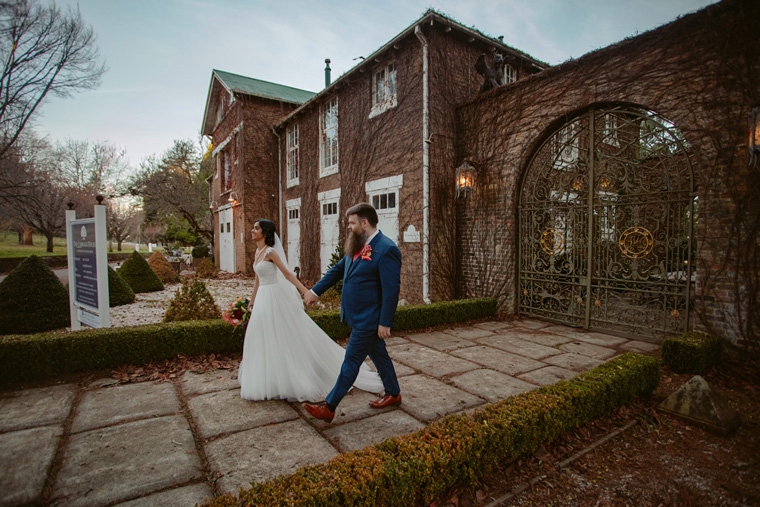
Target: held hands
[[310, 298]]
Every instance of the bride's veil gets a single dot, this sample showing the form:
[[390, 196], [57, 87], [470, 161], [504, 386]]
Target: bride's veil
[[280, 278]]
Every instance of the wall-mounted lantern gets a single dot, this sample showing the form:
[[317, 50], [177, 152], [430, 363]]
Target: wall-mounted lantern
[[754, 137], [212, 205], [464, 179], [233, 198]]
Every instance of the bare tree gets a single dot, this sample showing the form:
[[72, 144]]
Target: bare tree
[[94, 167], [176, 186], [123, 217], [43, 50]]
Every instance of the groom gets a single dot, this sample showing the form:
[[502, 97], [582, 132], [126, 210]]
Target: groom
[[371, 273]]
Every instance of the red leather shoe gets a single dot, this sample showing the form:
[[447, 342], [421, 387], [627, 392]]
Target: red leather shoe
[[386, 401], [320, 411]]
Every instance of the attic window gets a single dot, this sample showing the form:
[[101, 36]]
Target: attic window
[[383, 90], [510, 74]]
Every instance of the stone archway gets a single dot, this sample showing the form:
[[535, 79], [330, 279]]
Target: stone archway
[[606, 220]]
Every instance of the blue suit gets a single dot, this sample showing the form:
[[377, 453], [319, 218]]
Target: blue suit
[[370, 297]]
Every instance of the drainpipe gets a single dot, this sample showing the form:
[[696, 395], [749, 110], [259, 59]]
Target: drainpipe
[[425, 167], [279, 174]]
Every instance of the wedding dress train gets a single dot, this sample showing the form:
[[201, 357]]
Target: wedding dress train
[[285, 354]]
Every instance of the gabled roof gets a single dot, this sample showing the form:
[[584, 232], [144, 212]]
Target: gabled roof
[[430, 16], [235, 83]]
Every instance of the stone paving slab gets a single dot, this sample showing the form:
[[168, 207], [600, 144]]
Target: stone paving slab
[[178, 497], [546, 339], [26, 456], [429, 399], [573, 362], [372, 430], [353, 406], [226, 412], [505, 362], [395, 340], [491, 385], [603, 340], [494, 325], [587, 349], [548, 375], [29, 408], [440, 341], [111, 405], [427, 360], [121, 462], [468, 333], [519, 346], [267, 452], [531, 323], [639, 346], [193, 383]]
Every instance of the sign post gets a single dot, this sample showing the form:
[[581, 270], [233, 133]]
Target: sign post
[[88, 269]]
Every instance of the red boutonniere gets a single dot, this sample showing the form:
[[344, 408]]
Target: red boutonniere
[[366, 253]]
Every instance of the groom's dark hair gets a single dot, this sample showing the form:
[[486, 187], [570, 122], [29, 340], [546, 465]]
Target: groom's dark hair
[[268, 228], [364, 210]]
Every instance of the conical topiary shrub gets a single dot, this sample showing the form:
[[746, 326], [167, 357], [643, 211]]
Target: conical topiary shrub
[[163, 268], [119, 291], [206, 269], [32, 299], [192, 301], [137, 273]]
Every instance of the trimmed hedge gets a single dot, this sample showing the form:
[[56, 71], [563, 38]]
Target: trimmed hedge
[[418, 468], [192, 301], [162, 268], [119, 291], [50, 354], [415, 316], [692, 353], [139, 275], [33, 299], [8, 264]]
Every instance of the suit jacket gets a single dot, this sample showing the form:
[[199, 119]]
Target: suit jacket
[[370, 287]]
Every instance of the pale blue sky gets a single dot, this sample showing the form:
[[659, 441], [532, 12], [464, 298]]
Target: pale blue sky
[[160, 53]]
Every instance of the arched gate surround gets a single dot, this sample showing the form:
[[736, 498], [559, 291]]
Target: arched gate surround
[[605, 219]]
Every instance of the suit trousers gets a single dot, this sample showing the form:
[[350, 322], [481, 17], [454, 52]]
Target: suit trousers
[[361, 344]]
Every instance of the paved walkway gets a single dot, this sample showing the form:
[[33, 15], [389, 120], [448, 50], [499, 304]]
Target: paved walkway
[[183, 442]]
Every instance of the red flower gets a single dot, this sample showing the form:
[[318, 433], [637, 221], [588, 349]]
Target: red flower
[[366, 253]]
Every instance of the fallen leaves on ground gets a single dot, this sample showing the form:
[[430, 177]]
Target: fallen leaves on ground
[[169, 369]]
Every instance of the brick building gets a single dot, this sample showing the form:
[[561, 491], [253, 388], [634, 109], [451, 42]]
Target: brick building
[[609, 192]]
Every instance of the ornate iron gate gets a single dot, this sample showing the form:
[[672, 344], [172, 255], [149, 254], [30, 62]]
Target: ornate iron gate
[[606, 218]]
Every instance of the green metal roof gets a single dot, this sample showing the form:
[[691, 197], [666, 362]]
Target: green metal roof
[[265, 89]]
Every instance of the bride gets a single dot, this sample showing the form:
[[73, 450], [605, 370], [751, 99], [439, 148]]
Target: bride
[[285, 354]]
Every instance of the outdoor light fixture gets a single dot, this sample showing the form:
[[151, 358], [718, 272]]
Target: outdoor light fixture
[[212, 205], [754, 137], [233, 198], [464, 177]]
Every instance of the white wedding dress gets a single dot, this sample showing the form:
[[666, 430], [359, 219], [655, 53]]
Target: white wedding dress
[[285, 354]]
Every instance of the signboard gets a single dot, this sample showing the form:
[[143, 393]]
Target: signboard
[[88, 270], [85, 262]]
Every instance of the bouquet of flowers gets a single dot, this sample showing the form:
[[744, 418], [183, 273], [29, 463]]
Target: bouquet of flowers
[[238, 314]]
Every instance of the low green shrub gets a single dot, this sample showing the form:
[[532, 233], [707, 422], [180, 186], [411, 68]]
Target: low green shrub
[[200, 251], [138, 274], [692, 352], [119, 291], [49, 354], [192, 301], [33, 299], [416, 469]]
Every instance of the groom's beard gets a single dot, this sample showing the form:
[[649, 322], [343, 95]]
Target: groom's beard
[[354, 242]]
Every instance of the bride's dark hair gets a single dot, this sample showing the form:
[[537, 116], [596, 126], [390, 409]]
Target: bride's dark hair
[[268, 228]]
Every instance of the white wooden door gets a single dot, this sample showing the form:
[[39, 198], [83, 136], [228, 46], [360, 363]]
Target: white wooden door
[[330, 231], [226, 241], [294, 236]]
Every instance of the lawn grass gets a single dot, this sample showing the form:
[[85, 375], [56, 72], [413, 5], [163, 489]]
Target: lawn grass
[[9, 246]]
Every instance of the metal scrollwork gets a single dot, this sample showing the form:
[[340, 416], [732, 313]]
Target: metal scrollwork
[[636, 242], [552, 241]]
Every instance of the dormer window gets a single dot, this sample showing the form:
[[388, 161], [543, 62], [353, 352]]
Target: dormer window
[[510, 74], [383, 90]]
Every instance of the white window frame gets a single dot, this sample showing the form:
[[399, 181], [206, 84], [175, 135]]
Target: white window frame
[[328, 138], [292, 159], [385, 186], [610, 133], [565, 149], [384, 90], [510, 74]]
